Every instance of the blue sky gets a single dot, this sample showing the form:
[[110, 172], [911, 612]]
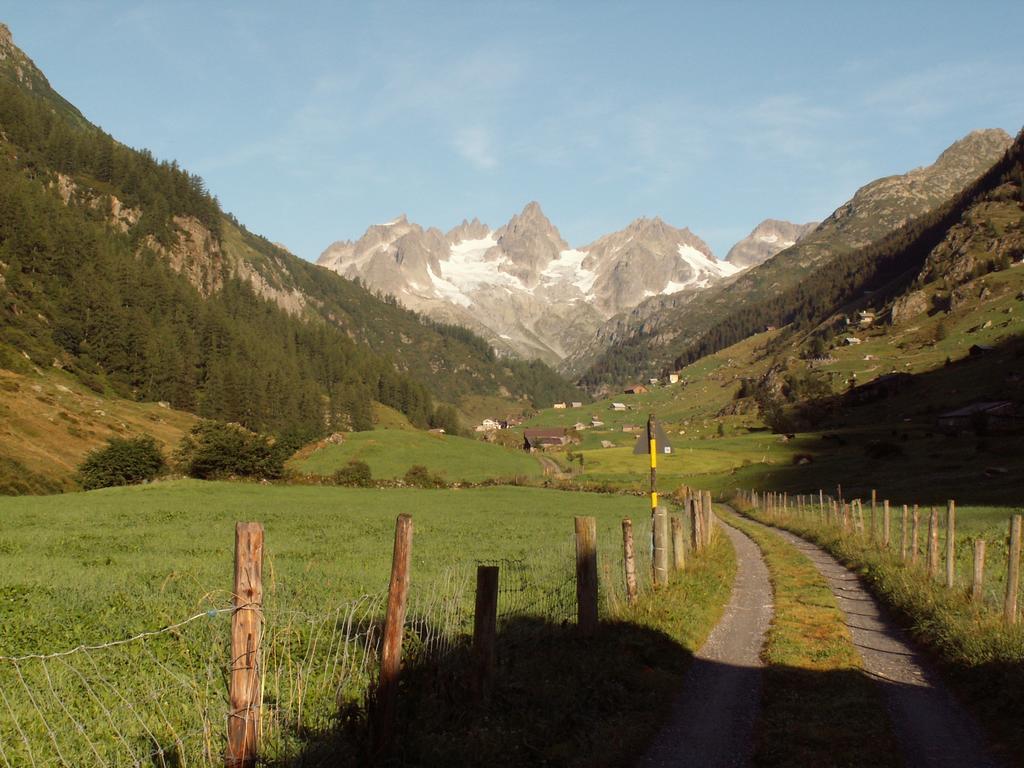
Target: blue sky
[[311, 121]]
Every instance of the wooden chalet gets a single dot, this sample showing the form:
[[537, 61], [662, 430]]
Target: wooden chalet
[[992, 415], [542, 438]]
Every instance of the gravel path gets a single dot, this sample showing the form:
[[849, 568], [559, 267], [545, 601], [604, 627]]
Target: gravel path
[[931, 727], [712, 721]]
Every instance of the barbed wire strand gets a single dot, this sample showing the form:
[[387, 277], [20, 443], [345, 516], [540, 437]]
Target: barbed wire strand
[[114, 643]]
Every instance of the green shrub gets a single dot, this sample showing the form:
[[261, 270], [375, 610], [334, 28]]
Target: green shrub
[[419, 476], [213, 449], [124, 461], [355, 474]]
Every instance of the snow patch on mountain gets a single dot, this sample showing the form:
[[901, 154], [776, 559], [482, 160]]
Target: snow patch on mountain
[[568, 268], [469, 269]]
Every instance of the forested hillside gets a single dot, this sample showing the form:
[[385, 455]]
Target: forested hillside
[[124, 271]]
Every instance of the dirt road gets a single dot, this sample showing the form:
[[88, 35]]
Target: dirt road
[[712, 721], [931, 727]]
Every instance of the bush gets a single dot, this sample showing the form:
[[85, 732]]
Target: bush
[[882, 449], [419, 476], [213, 449], [124, 461], [355, 474]]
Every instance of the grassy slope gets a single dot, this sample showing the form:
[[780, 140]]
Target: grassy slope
[[927, 467], [49, 422], [390, 453]]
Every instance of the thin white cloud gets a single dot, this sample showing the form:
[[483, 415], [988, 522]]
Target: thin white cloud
[[945, 89], [476, 144]]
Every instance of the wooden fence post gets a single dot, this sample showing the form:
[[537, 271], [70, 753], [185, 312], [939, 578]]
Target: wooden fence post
[[1013, 571], [950, 544], [915, 552], [661, 546], [709, 518], [904, 534], [821, 504], [933, 543], [678, 543], [978, 585], [886, 524], [485, 627], [394, 628], [874, 502], [246, 631], [629, 560], [696, 539], [586, 574]]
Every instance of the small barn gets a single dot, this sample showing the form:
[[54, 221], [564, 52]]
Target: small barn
[[636, 389], [618, 406], [542, 438], [991, 415], [884, 386]]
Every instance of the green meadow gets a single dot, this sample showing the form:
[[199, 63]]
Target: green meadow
[[391, 452], [91, 567]]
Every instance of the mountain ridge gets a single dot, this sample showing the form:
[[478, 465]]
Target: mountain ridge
[[522, 285], [660, 330]]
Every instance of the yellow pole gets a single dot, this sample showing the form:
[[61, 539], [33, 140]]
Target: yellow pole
[[653, 446]]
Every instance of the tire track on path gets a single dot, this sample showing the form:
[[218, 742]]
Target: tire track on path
[[712, 721], [930, 725]]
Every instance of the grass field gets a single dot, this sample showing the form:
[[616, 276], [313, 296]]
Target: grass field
[[391, 452], [90, 568]]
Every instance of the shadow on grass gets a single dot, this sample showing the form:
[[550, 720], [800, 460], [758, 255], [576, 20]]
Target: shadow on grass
[[558, 698]]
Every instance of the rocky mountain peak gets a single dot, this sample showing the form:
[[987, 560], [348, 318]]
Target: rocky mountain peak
[[768, 238], [468, 230], [529, 242], [984, 142], [530, 223], [399, 221]]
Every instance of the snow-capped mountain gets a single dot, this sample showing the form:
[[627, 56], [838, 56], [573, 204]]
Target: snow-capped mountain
[[769, 237], [522, 286]]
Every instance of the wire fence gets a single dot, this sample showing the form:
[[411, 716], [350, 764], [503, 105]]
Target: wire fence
[[910, 538], [161, 697]]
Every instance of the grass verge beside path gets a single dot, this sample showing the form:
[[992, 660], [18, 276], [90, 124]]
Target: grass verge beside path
[[818, 706], [981, 659]]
